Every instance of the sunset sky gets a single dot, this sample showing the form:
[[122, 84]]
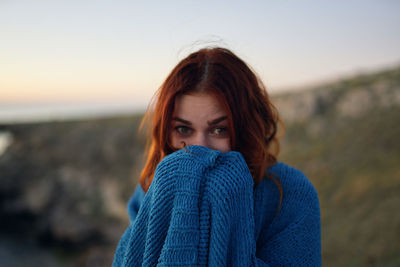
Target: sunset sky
[[90, 51]]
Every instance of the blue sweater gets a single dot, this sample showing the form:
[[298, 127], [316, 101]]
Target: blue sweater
[[202, 210]]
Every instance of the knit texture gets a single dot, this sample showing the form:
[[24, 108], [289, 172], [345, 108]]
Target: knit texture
[[201, 210]]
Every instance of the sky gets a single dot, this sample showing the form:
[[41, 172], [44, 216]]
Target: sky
[[101, 53]]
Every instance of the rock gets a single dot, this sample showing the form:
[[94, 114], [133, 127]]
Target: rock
[[71, 179]]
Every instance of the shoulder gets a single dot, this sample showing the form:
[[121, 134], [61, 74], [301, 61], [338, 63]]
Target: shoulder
[[296, 187], [289, 177]]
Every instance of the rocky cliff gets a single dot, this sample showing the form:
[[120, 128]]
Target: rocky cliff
[[351, 97]]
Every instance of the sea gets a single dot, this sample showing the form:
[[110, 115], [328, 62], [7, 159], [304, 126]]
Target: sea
[[11, 113]]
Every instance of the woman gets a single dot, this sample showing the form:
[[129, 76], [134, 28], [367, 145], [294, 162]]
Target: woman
[[212, 192]]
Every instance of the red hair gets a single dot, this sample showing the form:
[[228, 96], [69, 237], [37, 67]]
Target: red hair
[[252, 117]]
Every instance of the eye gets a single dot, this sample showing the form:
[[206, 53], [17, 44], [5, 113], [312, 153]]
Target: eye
[[183, 130], [220, 131]]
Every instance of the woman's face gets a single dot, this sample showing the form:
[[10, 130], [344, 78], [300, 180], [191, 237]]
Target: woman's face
[[199, 119]]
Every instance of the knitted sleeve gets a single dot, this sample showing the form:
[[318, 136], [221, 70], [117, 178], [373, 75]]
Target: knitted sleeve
[[166, 230]]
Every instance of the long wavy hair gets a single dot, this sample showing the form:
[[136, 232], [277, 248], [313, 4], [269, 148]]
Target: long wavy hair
[[252, 118]]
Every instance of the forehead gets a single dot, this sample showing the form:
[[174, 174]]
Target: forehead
[[197, 105]]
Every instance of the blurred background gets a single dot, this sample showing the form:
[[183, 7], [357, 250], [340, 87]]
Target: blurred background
[[77, 76]]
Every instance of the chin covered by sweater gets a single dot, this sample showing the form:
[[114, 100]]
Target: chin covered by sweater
[[202, 210]]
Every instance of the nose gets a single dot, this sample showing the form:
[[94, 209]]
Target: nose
[[200, 140]]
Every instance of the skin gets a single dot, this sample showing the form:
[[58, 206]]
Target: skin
[[199, 119]]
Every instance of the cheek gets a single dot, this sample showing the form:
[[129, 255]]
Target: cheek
[[222, 145], [177, 141], [174, 140]]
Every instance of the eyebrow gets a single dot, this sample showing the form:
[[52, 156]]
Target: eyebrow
[[217, 120], [213, 122], [182, 120]]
